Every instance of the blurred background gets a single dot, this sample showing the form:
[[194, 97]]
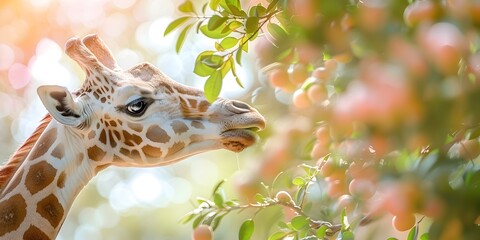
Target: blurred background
[[118, 203]]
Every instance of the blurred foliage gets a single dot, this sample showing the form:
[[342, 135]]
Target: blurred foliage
[[382, 95]]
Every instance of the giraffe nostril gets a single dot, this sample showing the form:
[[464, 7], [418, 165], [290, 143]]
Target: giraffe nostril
[[238, 107]]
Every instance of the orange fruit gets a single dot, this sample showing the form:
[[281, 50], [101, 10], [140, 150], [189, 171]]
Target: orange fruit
[[202, 232], [404, 222], [300, 99]]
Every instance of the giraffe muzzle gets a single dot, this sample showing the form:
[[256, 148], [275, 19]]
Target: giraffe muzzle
[[243, 132], [238, 139]]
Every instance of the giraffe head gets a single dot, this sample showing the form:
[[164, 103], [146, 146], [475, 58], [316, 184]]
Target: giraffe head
[[139, 116]]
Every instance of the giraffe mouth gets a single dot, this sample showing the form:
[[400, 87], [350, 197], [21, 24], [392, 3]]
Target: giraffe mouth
[[236, 140]]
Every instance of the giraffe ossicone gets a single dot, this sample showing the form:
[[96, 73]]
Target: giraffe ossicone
[[134, 117]]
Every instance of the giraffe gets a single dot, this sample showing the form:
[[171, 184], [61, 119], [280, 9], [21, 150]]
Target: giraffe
[[131, 118]]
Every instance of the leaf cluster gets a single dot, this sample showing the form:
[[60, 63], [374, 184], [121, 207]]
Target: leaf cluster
[[232, 28]]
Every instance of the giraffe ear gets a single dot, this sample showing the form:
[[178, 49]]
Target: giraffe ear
[[59, 103]]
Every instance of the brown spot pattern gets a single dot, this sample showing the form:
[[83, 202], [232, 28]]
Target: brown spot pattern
[[12, 213], [44, 143], [156, 134], [198, 124], [113, 123], [192, 102], [133, 154], [61, 180], [34, 233], [95, 153], [39, 176], [176, 147], [91, 134], [196, 138], [113, 143], [179, 127], [203, 106], [131, 139], [103, 137], [58, 151], [50, 209], [152, 151], [100, 168], [135, 127]]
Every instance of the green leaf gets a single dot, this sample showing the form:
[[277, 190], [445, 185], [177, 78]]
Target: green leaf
[[225, 68], [234, 25], [228, 42], [347, 235], [272, 5], [277, 236], [199, 24], [231, 203], [201, 200], [214, 4], [198, 220], [257, 11], [175, 24], [321, 232], [245, 44], [413, 234], [299, 194], [238, 12], [392, 238], [204, 8], [299, 181], [216, 221], [213, 61], [246, 230], [251, 25], [186, 7], [345, 223], [209, 218], [259, 198], [234, 72], [213, 86], [189, 216], [218, 199], [283, 225], [235, 3], [218, 186], [276, 31], [238, 57], [233, 7], [215, 22], [425, 236], [219, 47], [201, 69], [300, 222], [215, 34], [181, 38]]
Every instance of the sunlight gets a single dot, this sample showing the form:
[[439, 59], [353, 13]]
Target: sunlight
[[146, 188]]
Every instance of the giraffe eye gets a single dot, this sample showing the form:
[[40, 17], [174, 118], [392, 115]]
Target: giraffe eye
[[137, 107]]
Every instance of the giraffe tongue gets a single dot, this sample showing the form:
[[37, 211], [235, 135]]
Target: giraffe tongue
[[238, 139]]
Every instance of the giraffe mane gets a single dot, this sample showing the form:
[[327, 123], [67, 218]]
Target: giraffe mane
[[22, 152]]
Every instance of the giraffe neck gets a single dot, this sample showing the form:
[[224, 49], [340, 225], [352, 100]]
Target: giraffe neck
[[37, 198]]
